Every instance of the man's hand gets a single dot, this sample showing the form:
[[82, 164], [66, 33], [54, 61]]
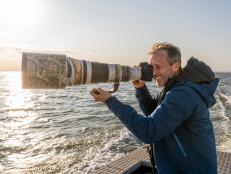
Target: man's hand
[[138, 84], [100, 94]]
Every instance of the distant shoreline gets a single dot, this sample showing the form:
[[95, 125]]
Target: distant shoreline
[[20, 71], [10, 70]]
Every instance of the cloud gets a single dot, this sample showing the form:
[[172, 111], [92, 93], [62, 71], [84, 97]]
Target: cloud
[[10, 57]]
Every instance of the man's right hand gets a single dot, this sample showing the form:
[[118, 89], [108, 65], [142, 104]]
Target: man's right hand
[[138, 84]]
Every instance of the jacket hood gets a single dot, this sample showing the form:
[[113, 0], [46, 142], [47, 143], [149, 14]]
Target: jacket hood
[[199, 76], [205, 90], [197, 71]]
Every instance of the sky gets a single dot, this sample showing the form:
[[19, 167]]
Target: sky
[[115, 31]]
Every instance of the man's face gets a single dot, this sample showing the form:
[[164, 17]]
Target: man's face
[[162, 70]]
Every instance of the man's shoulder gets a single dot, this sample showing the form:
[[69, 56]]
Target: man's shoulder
[[183, 87], [183, 92]]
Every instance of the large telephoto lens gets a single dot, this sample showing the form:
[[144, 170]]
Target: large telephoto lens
[[59, 71]]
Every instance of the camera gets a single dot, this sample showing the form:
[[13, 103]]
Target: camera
[[43, 71]]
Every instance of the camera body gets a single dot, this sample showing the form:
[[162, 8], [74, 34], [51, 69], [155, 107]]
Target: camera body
[[146, 71]]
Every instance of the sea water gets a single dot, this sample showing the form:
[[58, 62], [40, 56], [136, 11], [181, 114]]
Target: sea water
[[66, 131]]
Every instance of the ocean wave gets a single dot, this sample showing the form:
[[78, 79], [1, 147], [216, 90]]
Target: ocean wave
[[114, 149]]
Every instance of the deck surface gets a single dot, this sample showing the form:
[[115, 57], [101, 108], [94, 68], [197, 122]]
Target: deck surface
[[123, 164]]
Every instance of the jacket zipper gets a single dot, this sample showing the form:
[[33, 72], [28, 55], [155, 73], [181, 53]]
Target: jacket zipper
[[180, 145]]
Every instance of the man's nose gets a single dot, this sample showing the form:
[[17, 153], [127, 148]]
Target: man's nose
[[154, 72]]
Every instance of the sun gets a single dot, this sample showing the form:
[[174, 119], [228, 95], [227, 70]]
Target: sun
[[20, 14]]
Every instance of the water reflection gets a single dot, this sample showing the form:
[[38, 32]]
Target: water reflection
[[19, 116], [17, 97]]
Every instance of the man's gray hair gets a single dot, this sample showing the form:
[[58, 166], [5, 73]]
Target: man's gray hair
[[174, 53]]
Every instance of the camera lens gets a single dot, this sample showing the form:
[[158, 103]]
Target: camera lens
[[59, 71]]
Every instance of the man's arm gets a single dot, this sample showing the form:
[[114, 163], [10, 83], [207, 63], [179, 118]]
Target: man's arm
[[146, 102], [177, 106]]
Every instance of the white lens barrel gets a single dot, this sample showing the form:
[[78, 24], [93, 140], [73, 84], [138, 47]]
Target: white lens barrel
[[135, 73]]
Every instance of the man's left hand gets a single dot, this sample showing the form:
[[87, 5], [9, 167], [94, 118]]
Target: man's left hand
[[100, 94]]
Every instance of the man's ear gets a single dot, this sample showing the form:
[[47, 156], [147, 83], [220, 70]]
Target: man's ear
[[176, 66]]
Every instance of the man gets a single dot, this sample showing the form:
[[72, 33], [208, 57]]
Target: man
[[178, 121]]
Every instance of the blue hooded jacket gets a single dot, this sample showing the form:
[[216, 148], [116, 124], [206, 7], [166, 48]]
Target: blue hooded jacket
[[180, 127]]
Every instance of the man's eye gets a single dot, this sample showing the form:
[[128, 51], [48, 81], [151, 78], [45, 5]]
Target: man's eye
[[157, 67]]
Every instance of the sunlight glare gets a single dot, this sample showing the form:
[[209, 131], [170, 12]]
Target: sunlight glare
[[17, 95], [20, 14]]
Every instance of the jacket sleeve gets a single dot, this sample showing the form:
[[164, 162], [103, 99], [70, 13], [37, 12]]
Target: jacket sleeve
[[177, 107], [146, 102]]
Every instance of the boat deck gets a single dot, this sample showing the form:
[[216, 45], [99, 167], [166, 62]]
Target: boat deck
[[121, 165]]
